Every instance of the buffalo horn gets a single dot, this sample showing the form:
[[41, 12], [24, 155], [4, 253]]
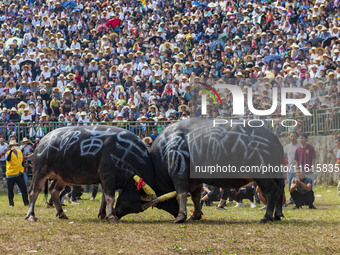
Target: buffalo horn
[[162, 198], [147, 189]]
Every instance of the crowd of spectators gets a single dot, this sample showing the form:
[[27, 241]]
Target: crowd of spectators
[[92, 61]]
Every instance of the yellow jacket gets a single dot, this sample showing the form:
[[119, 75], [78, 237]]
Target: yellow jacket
[[14, 166]]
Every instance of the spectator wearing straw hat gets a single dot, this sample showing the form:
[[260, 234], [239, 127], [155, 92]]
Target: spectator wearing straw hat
[[14, 116], [26, 117], [14, 172]]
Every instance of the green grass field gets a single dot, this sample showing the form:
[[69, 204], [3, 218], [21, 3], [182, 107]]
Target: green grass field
[[234, 231]]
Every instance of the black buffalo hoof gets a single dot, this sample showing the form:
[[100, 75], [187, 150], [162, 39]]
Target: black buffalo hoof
[[112, 219], [101, 215], [31, 218], [63, 216], [278, 218], [180, 218], [196, 216], [263, 221]]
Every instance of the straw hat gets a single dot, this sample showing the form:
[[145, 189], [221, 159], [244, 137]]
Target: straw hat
[[181, 55], [162, 118], [183, 105], [331, 75], [13, 143], [27, 110], [322, 49], [152, 106], [147, 138], [55, 89], [121, 56], [44, 115], [21, 104], [67, 91], [25, 140], [167, 44]]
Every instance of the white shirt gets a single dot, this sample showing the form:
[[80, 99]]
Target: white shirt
[[289, 152], [147, 95], [28, 117], [4, 148]]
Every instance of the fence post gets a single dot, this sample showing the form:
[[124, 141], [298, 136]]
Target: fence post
[[315, 122]]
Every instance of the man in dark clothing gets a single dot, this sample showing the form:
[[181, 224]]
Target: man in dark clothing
[[209, 194], [14, 116], [301, 190]]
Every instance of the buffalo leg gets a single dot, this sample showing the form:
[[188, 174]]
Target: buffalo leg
[[182, 213], [109, 194], [55, 188], [111, 215], [278, 208], [196, 197], [280, 201], [270, 208], [270, 192], [102, 209], [36, 187]]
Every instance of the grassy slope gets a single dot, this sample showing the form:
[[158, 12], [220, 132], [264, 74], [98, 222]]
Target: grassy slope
[[220, 232]]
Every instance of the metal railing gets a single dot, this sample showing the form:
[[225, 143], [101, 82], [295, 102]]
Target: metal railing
[[33, 130], [322, 122]]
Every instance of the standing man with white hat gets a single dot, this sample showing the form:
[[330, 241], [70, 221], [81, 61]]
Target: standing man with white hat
[[14, 172]]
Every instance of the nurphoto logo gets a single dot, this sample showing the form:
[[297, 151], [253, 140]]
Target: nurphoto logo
[[239, 104]]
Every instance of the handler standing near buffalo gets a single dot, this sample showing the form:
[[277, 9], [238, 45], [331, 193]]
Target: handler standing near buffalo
[[14, 172]]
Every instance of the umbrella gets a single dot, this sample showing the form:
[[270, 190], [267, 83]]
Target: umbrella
[[269, 58], [101, 27], [154, 38], [301, 49], [113, 23], [27, 62], [328, 41], [214, 44], [70, 4], [315, 41], [11, 40], [223, 37]]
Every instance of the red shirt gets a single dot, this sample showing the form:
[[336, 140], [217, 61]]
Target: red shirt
[[269, 17], [305, 156], [78, 78]]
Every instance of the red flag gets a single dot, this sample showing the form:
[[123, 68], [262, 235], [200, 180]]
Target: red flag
[[113, 23], [253, 43]]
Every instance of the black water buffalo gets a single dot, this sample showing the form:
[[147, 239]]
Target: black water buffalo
[[174, 150], [87, 155]]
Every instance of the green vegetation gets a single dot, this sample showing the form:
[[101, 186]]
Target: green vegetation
[[234, 231]]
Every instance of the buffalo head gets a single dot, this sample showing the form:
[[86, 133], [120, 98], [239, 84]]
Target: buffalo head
[[132, 200]]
